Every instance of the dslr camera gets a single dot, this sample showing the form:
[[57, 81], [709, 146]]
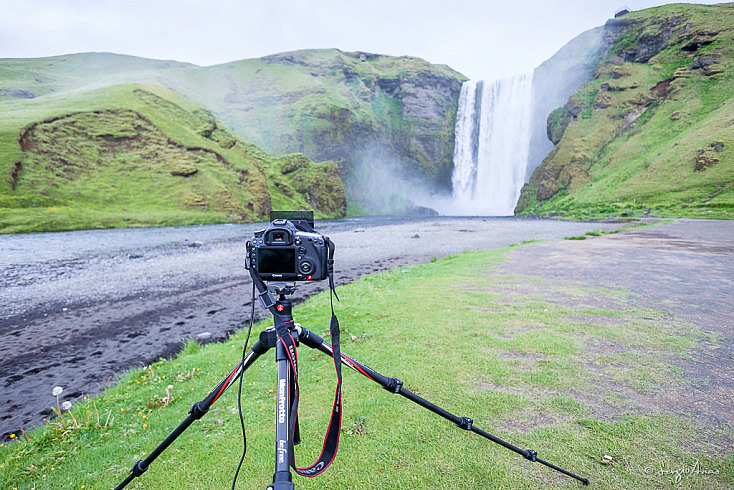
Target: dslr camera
[[289, 249]]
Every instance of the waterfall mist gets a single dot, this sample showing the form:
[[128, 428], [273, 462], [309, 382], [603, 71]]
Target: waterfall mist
[[491, 146], [554, 82], [382, 183]]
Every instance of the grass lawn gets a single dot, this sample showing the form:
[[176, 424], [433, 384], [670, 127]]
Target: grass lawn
[[541, 374]]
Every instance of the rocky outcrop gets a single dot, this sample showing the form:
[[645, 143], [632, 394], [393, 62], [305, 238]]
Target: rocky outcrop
[[319, 183], [16, 93], [559, 119], [708, 157]]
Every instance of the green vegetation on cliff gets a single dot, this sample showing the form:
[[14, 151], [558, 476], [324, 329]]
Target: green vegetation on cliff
[[653, 132], [358, 110], [133, 155]]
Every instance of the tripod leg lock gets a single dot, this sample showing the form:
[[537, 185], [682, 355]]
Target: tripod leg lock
[[138, 469], [531, 455], [393, 385], [197, 412], [465, 423]]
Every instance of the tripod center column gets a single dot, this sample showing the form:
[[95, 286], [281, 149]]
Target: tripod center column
[[283, 320]]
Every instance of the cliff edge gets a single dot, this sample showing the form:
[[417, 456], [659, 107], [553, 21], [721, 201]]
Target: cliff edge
[[653, 131]]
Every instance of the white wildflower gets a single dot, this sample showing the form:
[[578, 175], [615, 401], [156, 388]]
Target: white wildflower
[[66, 405], [57, 391]]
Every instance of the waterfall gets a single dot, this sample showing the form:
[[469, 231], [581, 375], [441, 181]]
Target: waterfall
[[491, 146]]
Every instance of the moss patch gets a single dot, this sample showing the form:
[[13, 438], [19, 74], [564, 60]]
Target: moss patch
[[143, 156]]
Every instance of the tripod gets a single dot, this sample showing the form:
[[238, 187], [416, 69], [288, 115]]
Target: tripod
[[277, 336]]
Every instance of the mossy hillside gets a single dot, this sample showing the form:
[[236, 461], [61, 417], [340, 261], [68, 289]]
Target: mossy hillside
[[355, 109], [652, 133], [131, 155], [23, 78], [345, 107]]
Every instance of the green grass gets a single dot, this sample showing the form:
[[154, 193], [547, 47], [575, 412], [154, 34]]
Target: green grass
[[538, 373], [132, 155]]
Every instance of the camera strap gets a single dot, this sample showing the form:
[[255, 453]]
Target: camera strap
[[331, 440], [330, 267]]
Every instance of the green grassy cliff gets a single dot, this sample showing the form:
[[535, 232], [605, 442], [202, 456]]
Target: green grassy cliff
[[358, 110], [653, 132], [345, 107], [134, 155]]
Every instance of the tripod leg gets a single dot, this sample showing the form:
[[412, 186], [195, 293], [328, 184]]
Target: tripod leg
[[394, 385], [197, 411]]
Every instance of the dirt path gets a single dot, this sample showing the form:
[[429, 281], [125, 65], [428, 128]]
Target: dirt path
[[685, 269]]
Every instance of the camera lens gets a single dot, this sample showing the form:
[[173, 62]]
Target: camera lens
[[306, 267]]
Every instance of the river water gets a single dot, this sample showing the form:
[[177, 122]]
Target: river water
[[78, 308]]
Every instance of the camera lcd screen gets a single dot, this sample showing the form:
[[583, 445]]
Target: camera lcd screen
[[276, 260]]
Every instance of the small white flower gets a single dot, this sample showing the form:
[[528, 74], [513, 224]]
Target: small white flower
[[66, 405], [57, 391]]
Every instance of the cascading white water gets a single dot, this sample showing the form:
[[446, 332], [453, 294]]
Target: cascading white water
[[491, 146]]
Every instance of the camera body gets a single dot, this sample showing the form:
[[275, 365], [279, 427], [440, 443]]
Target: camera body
[[288, 250]]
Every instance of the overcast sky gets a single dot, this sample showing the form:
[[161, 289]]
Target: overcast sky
[[483, 39]]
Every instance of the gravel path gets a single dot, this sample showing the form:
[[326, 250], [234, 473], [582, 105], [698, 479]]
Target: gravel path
[[80, 319], [684, 269]]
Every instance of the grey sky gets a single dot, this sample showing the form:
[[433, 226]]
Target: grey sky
[[481, 39]]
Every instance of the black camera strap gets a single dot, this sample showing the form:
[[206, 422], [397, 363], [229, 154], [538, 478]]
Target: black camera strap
[[331, 440], [330, 267]]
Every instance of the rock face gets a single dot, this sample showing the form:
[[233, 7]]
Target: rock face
[[360, 110], [641, 133], [554, 82]]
